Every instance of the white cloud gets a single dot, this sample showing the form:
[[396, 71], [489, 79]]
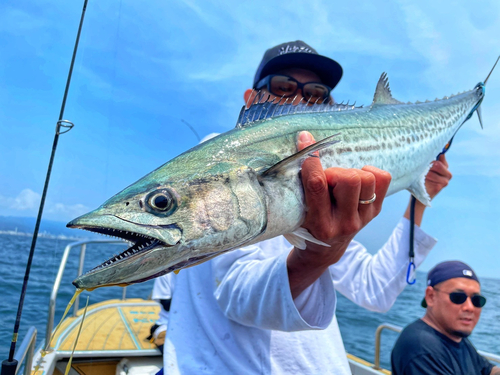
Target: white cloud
[[26, 200], [316, 22], [27, 203], [453, 48], [423, 33], [67, 211]]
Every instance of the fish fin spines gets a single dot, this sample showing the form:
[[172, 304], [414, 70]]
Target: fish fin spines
[[383, 92], [447, 97], [267, 107]]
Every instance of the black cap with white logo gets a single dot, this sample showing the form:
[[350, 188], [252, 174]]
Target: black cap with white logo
[[298, 55]]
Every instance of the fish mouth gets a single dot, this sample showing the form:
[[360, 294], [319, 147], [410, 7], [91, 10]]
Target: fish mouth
[[140, 244]]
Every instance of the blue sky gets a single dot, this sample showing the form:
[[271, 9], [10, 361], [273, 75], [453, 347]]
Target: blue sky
[[145, 68]]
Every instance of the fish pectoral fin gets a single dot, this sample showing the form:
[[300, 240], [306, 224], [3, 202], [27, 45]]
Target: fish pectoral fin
[[299, 236], [417, 189], [298, 157], [383, 92]]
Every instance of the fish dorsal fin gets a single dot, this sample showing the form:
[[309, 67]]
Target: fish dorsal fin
[[383, 92], [300, 155], [271, 108]]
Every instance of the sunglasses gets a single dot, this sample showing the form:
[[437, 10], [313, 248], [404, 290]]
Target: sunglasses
[[460, 297], [285, 86]]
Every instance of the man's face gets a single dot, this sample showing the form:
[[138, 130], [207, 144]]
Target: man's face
[[301, 75], [454, 320]]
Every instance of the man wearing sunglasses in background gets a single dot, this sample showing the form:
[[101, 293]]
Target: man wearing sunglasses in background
[[437, 343], [269, 308]]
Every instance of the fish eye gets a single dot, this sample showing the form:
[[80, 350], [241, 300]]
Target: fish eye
[[161, 200]]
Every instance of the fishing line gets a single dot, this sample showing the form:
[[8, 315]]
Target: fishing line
[[411, 265], [9, 365], [68, 366]]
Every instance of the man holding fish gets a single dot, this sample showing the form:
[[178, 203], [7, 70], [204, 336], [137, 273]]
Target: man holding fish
[[269, 308]]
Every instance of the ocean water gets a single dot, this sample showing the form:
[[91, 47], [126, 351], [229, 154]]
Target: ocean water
[[14, 252], [357, 325]]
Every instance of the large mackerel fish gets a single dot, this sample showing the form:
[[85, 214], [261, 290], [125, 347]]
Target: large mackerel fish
[[243, 186]]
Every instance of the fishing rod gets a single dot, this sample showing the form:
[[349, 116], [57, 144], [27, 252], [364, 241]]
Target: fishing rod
[[9, 366]]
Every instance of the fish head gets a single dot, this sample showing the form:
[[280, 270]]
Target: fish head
[[172, 223]]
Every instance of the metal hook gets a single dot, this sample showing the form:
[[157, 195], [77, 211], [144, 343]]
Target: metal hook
[[411, 267]]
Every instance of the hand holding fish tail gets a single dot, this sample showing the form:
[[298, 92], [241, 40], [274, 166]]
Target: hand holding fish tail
[[334, 214], [436, 180]]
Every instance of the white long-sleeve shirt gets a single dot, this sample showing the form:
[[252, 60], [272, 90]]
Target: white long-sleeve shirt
[[235, 314], [163, 288]]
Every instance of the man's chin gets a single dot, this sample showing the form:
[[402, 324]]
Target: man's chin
[[463, 334]]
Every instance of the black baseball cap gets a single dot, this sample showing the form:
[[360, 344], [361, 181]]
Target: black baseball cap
[[449, 270], [298, 55]]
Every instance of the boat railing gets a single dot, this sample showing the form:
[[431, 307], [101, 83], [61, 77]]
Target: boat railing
[[55, 289], [26, 351], [378, 339], [398, 329]]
